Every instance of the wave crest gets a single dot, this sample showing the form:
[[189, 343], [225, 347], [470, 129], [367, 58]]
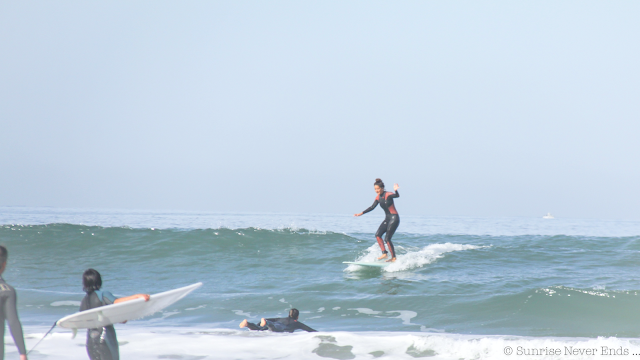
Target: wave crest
[[411, 258]]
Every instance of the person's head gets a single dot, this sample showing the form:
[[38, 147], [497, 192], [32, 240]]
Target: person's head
[[294, 313], [4, 255], [91, 280], [378, 186]]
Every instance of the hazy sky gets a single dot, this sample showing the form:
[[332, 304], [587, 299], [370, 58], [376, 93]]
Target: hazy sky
[[480, 108]]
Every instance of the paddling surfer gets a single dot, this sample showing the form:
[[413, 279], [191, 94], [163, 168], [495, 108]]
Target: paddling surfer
[[391, 220], [102, 343], [9, 311], [288, 324]]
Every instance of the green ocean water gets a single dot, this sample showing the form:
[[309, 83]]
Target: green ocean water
[[522, 285]]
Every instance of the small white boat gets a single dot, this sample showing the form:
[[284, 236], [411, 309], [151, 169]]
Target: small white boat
[[548, 216]]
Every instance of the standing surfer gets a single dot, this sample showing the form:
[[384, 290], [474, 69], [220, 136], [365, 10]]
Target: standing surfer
[[8, 310], [102, 343], [391, 220]]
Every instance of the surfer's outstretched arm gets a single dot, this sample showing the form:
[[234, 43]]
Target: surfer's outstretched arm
[[9, 310], [304, 327], [146, 297], [375, 203], [15, 326]]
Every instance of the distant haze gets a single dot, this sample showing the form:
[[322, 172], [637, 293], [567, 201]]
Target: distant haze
[[497, 108]]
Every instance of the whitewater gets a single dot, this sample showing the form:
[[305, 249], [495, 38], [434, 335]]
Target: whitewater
[[462, 288]]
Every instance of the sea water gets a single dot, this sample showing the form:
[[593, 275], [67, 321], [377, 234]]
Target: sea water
[[462, 288]]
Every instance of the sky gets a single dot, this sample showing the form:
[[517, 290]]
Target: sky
[[475, 108]]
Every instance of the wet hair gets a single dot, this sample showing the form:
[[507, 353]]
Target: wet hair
[[91, 280], [294, 313], [379, 183], [4, 255]]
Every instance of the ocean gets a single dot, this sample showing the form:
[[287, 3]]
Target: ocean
[[462, 288]]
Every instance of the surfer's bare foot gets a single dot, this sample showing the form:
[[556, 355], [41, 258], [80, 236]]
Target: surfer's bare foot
[[382, 257], [243, 323], [263, 322], [391, 260]]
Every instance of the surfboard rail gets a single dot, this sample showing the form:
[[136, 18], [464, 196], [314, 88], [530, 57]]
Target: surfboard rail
[[369, 264], [124, 311]]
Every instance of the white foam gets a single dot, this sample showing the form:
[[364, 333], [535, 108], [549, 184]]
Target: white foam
[[366, 311], [66, 303], [199, 343], [405, 316], [241, 313], [411, 259]]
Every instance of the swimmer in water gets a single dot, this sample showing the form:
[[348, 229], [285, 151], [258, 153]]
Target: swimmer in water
[[288, 324], [102, 343], [391, 220], [8, 310]]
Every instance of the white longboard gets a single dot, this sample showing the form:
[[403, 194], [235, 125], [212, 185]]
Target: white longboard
[[125, 311], [369, 264]]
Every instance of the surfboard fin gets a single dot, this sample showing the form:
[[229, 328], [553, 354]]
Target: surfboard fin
[[75, 332]]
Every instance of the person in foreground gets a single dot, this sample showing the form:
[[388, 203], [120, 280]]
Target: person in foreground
[[102, 344], [288, 324], [9, 311], [391, 220]]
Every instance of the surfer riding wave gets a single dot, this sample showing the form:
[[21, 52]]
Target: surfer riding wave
[[391, 220]]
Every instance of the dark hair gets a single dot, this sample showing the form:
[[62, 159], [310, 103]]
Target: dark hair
[[91, 280], [4, 255], [293, 313], [379, 183]]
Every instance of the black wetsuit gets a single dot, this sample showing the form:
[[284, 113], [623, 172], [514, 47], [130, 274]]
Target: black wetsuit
[[9, 312], [281, 325], [391, 220], [102, 343]]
